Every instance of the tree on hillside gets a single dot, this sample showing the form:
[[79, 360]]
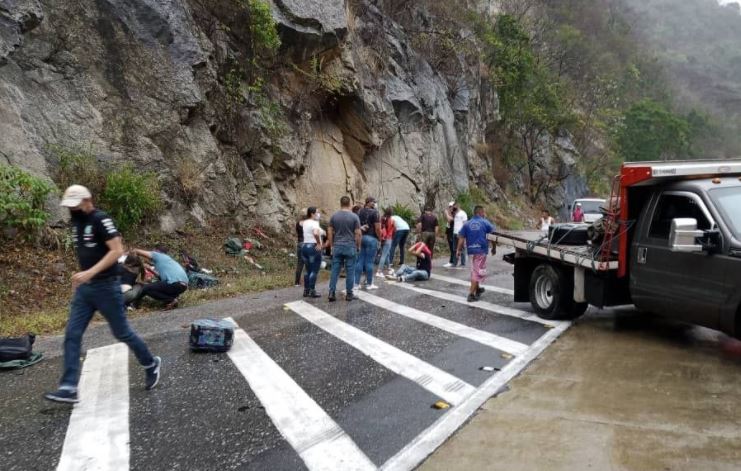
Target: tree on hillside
[[651, 132]]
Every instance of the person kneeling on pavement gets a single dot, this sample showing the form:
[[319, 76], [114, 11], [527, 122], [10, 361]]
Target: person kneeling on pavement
[[424, 264], [173, 279]]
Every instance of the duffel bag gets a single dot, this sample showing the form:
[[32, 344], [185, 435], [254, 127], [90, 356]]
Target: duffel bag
[[199, 280], [16, 348], [211, 335], [568, 234]]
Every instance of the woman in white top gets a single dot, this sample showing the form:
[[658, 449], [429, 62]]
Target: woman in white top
[[311, 250], [546, 221]]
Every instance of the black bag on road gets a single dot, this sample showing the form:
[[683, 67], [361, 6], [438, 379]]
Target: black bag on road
[[211, 335], [16, 348]]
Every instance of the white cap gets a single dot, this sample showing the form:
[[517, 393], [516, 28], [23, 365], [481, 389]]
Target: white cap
[[578, 204], [74, 195], [452, 203]]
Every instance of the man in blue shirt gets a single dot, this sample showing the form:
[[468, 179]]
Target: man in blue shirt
[[173, 279], [474, 233]]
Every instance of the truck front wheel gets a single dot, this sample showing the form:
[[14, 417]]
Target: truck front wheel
[[552, 294]]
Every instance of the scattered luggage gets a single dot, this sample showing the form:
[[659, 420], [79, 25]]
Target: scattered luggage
[[211, 335], [198, 280], [17, 352]]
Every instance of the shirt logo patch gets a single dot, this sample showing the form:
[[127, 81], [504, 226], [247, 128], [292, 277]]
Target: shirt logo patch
[[109, 226]]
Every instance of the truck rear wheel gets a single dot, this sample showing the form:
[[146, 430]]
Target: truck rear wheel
[[552, 294]]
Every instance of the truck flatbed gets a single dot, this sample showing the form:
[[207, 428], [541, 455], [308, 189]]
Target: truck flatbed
[[536, 242]]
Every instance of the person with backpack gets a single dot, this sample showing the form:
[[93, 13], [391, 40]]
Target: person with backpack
[[173, 280], [473, 236], [97, 287], [370, 225]]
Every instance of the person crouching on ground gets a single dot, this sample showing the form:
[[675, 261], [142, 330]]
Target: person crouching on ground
[[473, 234], [173, 279], [311, 251], [424, 264], [97, 288]]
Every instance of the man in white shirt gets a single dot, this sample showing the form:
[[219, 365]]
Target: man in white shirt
[[459, 219]]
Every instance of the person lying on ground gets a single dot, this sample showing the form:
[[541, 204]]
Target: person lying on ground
[[173, 280], [131, 272], [423, 268]]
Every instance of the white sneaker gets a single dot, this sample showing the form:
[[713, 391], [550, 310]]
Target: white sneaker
[[391, 272], [372, 287], [448, 265], [380, 274]]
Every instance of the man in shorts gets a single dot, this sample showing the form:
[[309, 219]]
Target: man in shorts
[[473, 234]]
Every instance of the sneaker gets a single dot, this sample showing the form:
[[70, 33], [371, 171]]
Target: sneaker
[[332, 298], [171, 305], [479, 292], [349, 297], [356, 287], [391, 272], [369, 287], [472, 298], [153, 373], [314, 294], [380, 274], [400, 279], [448, 265], [66, 396]]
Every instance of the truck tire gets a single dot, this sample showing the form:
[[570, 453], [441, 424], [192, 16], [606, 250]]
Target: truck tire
[[552, 294], [568, 234]]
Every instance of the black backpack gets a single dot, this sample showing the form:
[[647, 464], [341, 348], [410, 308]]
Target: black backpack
[[16, 348]]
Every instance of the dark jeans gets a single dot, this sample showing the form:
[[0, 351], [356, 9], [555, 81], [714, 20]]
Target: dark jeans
[[453, 257], [368, 249], [451, 245], [161, 291], [343, 255], [103, 296], [400, 240], [299, 264], [313, 261]]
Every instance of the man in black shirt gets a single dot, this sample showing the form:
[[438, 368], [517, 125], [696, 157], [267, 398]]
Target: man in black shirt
[[428, 228], [97, 288], [370, 226]]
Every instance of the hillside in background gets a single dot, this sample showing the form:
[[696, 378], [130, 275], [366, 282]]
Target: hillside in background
[[699, 43]]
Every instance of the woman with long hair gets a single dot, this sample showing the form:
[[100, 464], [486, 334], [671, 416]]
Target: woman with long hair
[[388, 228], [299, 244], [311, 250]]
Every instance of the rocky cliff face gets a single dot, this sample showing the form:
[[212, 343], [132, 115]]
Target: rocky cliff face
[[147, 82]]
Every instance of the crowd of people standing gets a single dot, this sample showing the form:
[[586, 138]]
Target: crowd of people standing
[[362, 241]]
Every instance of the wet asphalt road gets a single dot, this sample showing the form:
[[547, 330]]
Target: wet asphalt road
[[204, 415]]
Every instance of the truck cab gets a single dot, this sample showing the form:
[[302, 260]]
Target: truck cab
[[685, 252]]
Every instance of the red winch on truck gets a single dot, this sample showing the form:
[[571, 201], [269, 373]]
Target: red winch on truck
[[669, 243]]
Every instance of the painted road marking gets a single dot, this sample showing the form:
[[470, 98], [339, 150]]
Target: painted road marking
[[457, 281], [435, 380], [486, 306], [491, 340], [426, 442], [98, 431], [320, 442]]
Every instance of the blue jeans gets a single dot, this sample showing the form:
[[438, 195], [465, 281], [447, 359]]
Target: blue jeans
[[368, 249], [408, 273], [385, 255], [400, 240], [453, 257], [104, 296], [343, 254], [313, 262]]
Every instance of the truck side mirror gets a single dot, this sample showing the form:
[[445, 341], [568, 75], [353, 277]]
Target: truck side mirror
[[684, 234]]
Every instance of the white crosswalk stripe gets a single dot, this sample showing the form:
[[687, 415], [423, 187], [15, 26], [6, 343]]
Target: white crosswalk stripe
[[435, 380], [456, 281], [98, 432], [320, 442], [485, 338], [486, 306]]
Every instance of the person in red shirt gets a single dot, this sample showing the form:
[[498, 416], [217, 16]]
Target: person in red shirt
[[578, 215], [388, 229]]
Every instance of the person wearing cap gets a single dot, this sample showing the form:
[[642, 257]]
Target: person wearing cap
[[97, 288], [370, 226]]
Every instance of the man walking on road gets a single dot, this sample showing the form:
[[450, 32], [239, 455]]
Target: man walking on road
[[473, 234], [344, 239], [97, 288], [370, 225]]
